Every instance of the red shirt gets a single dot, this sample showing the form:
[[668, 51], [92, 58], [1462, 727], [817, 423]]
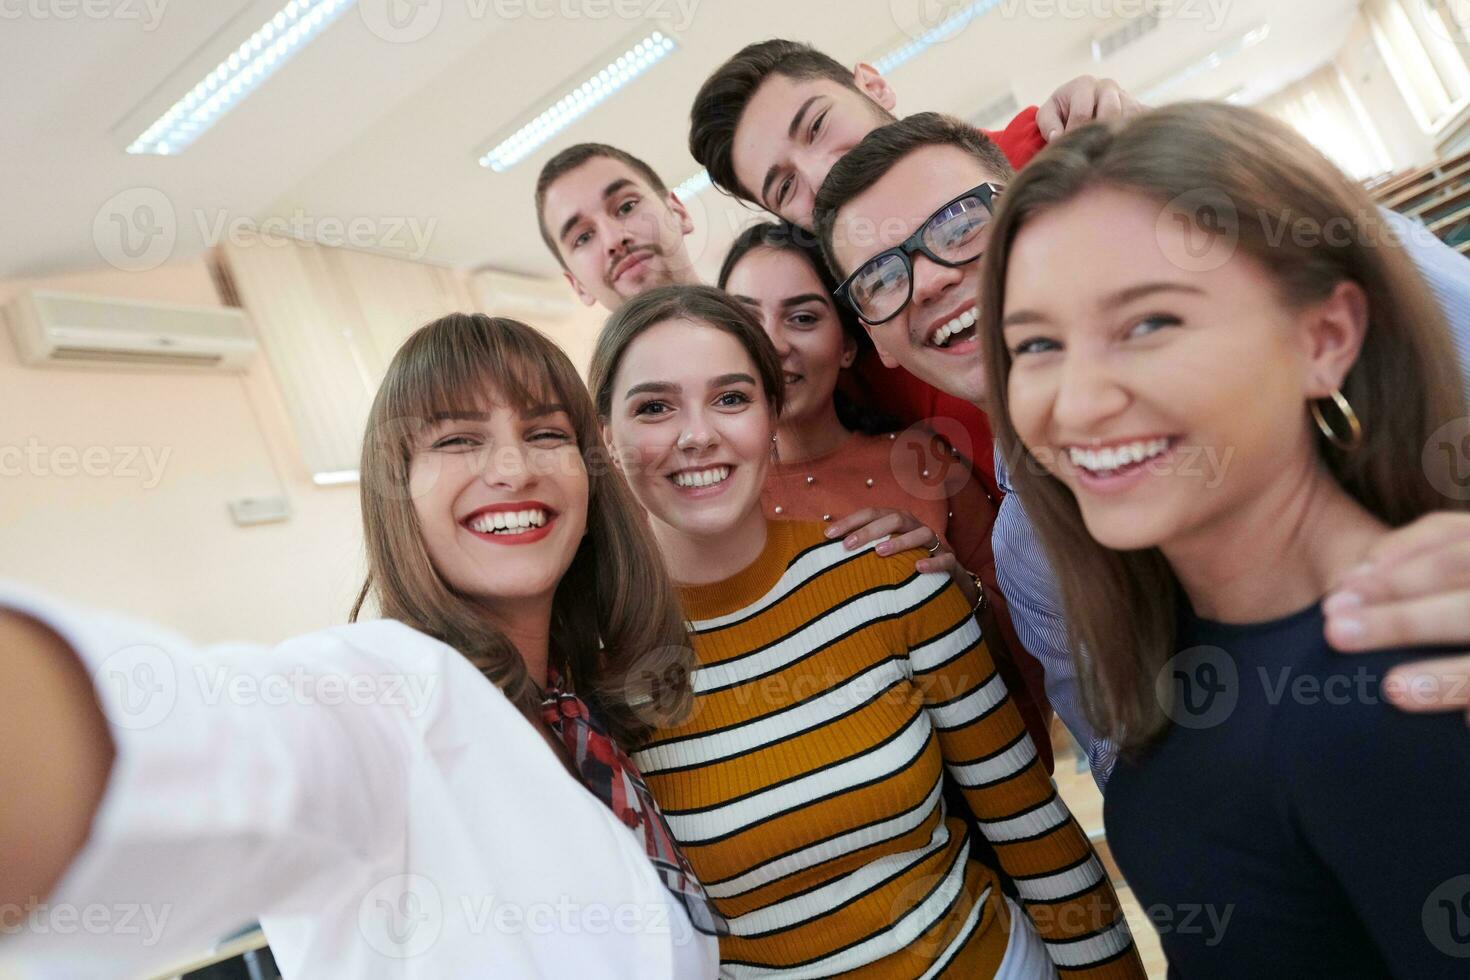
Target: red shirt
[[900, 393]]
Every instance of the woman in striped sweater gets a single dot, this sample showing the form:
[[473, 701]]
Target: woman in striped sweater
[[832, 690]]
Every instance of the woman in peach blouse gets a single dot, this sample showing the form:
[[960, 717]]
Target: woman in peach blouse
[[839, 462]]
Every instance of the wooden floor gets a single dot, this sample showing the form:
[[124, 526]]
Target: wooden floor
[[1085, 802]]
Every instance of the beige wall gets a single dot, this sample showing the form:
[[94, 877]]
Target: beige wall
[[163, 546], [160, 542]]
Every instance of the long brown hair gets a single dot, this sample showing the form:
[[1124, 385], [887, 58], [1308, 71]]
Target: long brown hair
[[617, 633], [1121, 606]]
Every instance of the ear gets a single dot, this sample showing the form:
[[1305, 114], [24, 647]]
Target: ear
[[1332, 334], [686, 223], [883, 355], [607, 443], [849, 350], [587, 298], [874, 85]]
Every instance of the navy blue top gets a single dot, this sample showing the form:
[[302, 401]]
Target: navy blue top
[[1292, 822]]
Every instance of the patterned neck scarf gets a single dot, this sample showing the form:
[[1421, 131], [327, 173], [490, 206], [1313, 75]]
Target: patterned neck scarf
[[611, 776]]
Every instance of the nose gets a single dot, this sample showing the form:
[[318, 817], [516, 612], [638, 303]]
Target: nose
[[1089, 394], [815, 164], [697, 435], [506, 467], [777, 333], [614, 234], [933, 281]]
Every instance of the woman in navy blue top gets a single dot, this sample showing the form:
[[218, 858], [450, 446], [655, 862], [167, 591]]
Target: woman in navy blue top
[[1221, 382]]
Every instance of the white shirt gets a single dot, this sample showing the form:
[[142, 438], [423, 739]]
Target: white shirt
[[366, 794]]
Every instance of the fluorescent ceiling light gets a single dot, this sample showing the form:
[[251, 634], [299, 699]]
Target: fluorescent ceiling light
[[335, 478], [692, 186], [257, 59], [1210, 61], [942, 31], [581, 100]]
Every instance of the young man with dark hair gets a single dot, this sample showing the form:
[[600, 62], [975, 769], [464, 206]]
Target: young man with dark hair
[[903, 219], [614, 226], [771, 121]]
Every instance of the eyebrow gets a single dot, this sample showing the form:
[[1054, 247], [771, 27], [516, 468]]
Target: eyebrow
[[1121, 298], [467, 415], [607, 192], [788, 302], [790, 134], [667, 387]]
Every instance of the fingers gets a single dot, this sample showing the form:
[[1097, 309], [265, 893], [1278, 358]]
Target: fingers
[[1083, 106], [1431, 685], [1441, 619], [918, 537], [1398, 565], [943, 561], [1049, 119], [1110, 101], [853, 521]]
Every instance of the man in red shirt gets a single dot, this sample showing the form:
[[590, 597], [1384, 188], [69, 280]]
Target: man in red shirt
[[769, 123]]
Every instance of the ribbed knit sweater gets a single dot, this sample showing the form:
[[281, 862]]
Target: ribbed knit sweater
[[832, 690]]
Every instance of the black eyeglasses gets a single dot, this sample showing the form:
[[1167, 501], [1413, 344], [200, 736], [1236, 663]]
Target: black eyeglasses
[[953, 236]]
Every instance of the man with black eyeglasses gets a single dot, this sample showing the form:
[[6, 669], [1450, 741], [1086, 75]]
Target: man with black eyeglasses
[[903, 218]]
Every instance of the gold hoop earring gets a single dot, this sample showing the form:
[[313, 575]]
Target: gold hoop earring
[[1355, 427]]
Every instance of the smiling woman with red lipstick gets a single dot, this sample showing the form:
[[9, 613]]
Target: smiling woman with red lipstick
[[833, 688], [528, 618], [1215, 421]]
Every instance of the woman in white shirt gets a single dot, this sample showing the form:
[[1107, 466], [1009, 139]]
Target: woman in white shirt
[[363, 791]]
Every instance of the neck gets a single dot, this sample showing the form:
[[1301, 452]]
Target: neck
[[700, 560], [527, 624], [684, 274], [803, 438], [1277, 554]]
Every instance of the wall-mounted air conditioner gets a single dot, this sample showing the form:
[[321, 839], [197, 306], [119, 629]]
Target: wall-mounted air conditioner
[[67, 330]]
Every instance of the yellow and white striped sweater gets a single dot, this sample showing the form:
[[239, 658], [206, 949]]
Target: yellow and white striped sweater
[[833, 688]]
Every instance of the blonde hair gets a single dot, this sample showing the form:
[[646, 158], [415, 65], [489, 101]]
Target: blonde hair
[[1121, 605], [617, 633]]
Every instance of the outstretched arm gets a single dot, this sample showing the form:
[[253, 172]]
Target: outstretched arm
[[49, 712]]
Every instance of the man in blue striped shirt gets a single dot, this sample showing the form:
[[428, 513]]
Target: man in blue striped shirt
[[1417, 591]]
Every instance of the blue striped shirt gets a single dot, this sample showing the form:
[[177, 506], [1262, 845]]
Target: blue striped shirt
[[1026, 577]]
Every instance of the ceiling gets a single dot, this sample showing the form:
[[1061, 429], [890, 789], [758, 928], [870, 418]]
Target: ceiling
[[375, 130]]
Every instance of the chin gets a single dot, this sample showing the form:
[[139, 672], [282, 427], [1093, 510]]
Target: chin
[[1126, 529]]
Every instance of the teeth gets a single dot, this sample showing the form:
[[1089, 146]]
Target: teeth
[[959, 324], [1116, 457], [509, 521], [702, 478]]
